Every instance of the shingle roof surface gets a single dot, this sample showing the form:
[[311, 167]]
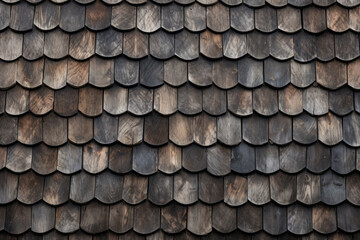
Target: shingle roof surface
[[160, 119]]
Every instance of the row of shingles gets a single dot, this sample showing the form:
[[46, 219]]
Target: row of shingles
[[174, 17], [161, 235], [169, 158], [212, 121], [199, 218], [92, 158], [257, 3], [56, 44], [151, 72]]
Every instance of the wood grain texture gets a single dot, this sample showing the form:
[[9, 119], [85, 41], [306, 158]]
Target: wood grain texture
[[101, 72], [82, 44], [347, 217], [121, 217], [305, 129], [195, 17], [98, 15], [332, 188], [274, 219], [352, 188], [56, 189], [165, 99], [173, 218], [109, 43], [30, 74], [56, 44], [95, 217], [22, 16], [185, 187], [204, 129], [69, 158], [258, 189], [211, 44], [169, 158], [351, 129], [331, 75], [160, 188], [243, 158], [292, 158], [343, 159], [242, 18], [252, 136], [200, 72], [148, 17], [172, 17], [175, 72], [276, 73], [41, 100], [156, 129], [135, 44], [189, 99], [66, 101], [95, 157], [120, 158], [211, 188], [108, 187], [229, 129], [249, 218], [289, 19], [151, 72], [44, 159], [330, 129], [130, 129], [324, 219], [308, 188], [78, 73], [10, 45], [90, 101], [224, 218], [250, 72], [43, 217], [214, 101], [218, 160], [8, 186], [299, 219], [337, 18], [140, 100], [54, 130], [115, 100], [105, 129], [354, 14], [18, 218], [55, 73], [123, 16], [5, 15], [187, 45], [17, 100], [162, 45], [80, 129], [218, 17], [30, 189], [72, 16], [8, 71], [267, 158], [67, 218], [194, 158], [19, 158], [265, 19], [281, 46], [126, 71], [147, 218], [280, 129], [302, 75], [318, 157], [265, 100], [235, 190], [325, 46], [346, 46], [283, 188], [199, 219], [314, 19], [33, 44], [304, 46], [234, 45], [341, 101], [82, 187], [239, 101], [145, 159], [315, 101], [47, 16], [135, 188], [290, 100], [29, 129]]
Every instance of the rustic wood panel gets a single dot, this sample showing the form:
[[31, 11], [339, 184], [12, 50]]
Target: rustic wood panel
[[265, 19], [195, 17], [10, 45], [80, 129], [156, 129], [265, 100], [250, 127], [299, 219], [33, 44], [280, 129], [165, 99], [135, 188], [217, 17], [56, 189], [218, 160], [283, 188], [267, 158], [8, 186], [292, 158], [204, 129], [325, 46], [304, 46], [189, 99], [148, 17], [67, 218], [302, 75], [90, 101], [330, 129], [145, 159], [72, 16], [162, 45], [290, 100], [315, 101], [331, 75], [185, 187], [173, 218], [98, 15], [172, 17], [115, 100], [281, 45], [347, 217], [22, 16], [229, 129], [341, 101], [101, 72], [289, 19], [44, 159], [5, 15], [257, 45], [95, 157], [120, 158], [123, 16], [66, 101], [194, 158], [121, 217], [324, 219], [130, 129], [314, 19], [151, 72], [109, 43], [175, 72], [235, 190], [250, 72], [69, 158], [8, 73], [82, 44], [19, 158], [343, 159], [43, 217], [82, 187], [351, 129], [187, 45], [211, 188], [78, 73], [337, 18], [140, 100], [318, 157], [105, 129], [200, 72], [30, 129], [258, 189], [160, 188], [147, 218], [274, 219], [18, 218], [47, 16], [332, 188], [169, 158], [224, 218], [243, 158], [214, 100], [41, 100], [94, 217], [305, 129], [249, 218], [108, 187], [242, 18], [56, 44], [55, 73], [211, 44], [199, 219], [239, 101]]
